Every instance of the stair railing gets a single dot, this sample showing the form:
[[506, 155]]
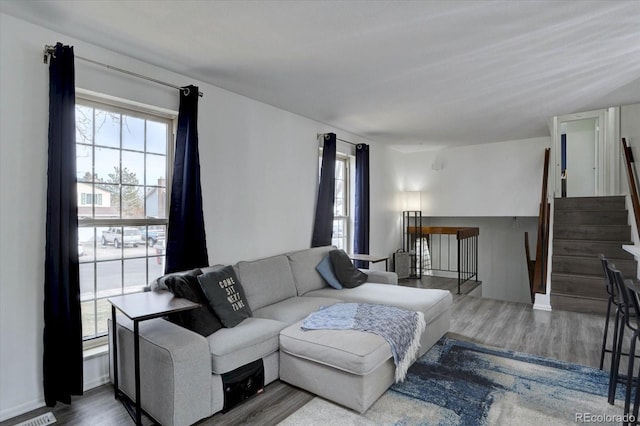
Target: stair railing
[[537, 268], [633, 189], [438, 255]]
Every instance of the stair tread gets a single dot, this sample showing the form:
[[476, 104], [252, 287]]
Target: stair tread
[[603, 207], [589, 247], [591, 224], [590, 197], [579, 297], [606, 199], [599, 209], [595, 241], [569, 274], [594, 258], [605, 295], [591, 210]]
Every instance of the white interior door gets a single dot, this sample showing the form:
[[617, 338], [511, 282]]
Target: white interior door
[[580, 157], [580, 160]]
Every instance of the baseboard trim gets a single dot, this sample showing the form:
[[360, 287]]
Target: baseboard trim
[[542, 307]]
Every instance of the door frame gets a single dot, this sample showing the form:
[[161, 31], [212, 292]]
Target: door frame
[[606, 155]]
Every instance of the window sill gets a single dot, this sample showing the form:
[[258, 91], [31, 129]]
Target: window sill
[[98, 351]]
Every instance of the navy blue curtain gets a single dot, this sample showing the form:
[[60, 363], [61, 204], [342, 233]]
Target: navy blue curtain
[[62, 359], [323, 225], [186, 240], [361, 219]]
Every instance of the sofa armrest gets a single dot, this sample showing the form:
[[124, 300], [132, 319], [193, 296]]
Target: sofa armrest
[[175, 370], [382, 277]]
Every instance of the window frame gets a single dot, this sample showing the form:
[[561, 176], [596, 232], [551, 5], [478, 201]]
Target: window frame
[[346, 217], [145, 112]]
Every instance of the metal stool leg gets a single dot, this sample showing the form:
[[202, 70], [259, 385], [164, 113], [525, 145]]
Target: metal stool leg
[[615, 364], [636, 403], [606, 331], [632, 351]]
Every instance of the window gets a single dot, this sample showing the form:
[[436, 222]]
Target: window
[[341, 228], [342, 202], [122, 158], [88, 199]]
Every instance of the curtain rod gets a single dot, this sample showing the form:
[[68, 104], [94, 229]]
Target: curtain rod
[[341, 140], [48, 50]]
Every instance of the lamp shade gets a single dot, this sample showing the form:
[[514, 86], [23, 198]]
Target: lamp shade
[[412, 201]]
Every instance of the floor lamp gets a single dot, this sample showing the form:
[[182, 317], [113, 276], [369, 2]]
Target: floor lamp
[[412, 231]]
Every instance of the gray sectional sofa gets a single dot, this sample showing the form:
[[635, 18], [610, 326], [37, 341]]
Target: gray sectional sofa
[[181, 371]]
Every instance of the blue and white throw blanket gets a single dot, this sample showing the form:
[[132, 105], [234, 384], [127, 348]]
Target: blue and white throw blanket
[[400, 327]]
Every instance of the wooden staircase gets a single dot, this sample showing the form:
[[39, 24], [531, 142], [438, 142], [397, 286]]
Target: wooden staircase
[[584, 228]]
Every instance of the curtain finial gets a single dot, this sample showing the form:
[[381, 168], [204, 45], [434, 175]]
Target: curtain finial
[[49, 50]]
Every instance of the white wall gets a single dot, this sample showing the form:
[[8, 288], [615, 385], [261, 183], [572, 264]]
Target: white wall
[[496, 179], [259, 178], [630, 128]]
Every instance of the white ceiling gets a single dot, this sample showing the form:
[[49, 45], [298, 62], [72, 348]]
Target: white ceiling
[[431, 73]]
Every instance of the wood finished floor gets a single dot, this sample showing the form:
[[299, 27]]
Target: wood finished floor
[[568, 336]]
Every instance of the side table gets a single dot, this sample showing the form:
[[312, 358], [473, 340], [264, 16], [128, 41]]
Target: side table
[[140, 307], [371, 258]]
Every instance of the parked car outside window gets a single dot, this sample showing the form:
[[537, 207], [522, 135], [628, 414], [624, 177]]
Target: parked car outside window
[[152, 234], [127, 236]]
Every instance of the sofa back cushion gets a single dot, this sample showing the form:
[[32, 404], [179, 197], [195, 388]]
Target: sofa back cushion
[[266, 281], [303, 266]]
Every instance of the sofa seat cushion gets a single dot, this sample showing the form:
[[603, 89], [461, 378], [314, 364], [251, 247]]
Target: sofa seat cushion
[[266, 281], [430, 302], [303, 265], [252, 339], [355, 352], [294, 308]]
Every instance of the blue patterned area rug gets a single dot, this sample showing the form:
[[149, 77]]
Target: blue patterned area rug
[[462, 383]]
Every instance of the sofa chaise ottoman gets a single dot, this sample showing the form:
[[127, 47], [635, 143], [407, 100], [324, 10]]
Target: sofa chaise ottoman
[[183, 372], [350, 367]]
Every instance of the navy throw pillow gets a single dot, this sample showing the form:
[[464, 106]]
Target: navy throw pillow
[[348, 275], [225, 295], [202, 320]]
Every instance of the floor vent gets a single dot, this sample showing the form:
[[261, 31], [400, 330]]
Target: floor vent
[[45, 419]]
